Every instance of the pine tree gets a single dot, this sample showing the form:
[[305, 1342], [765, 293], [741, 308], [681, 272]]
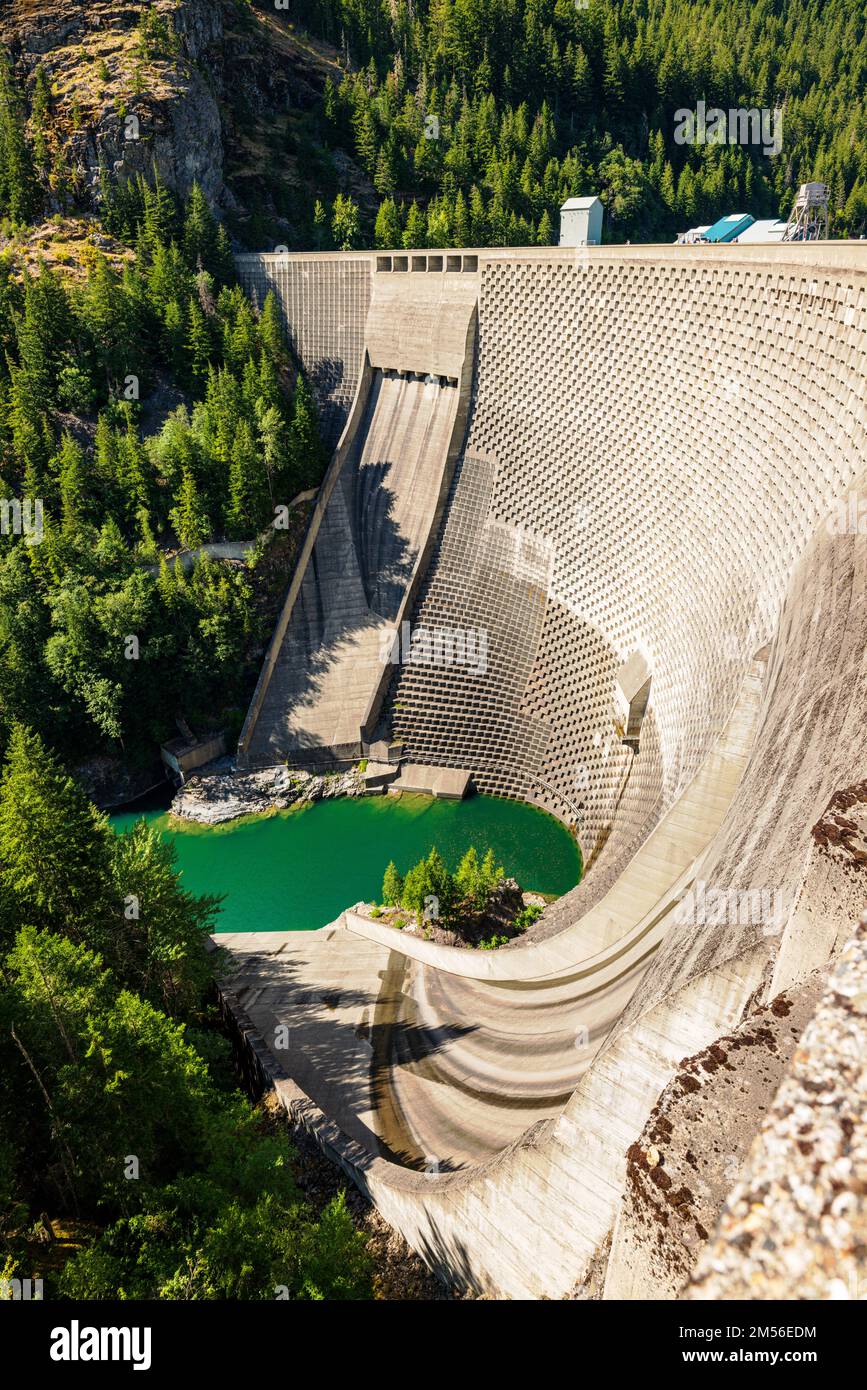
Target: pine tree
[[247, 511], [467, 877], [105, 456], [462, 233], [72, 482], [174, 336], [416, 227], [17, 180], [387, 233], [159, 217], [54, 844], [271, 334], [582, 82], [345, 226], [269, 391], [199, 346], [416, 888], [274, 447], [392, 886], [306, 454], [200, 231], [320, 225], [132, 472], [189, 518], [224, 262], [104, 311], [146, 545], [545, 233]]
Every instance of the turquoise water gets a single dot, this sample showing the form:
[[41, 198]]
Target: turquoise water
[[300, 869]]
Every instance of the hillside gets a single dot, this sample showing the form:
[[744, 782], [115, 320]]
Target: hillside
[[217, 95], [457, 121]]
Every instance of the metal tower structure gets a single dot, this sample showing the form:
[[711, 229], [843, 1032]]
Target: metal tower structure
[[808, 220]]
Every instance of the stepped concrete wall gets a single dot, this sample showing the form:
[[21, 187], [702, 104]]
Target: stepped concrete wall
[[324, 300], [659, 442], [321, 689]]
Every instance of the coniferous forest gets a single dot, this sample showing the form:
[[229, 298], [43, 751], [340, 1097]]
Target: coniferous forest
[[152, 409], [146, 408], [475, 119]]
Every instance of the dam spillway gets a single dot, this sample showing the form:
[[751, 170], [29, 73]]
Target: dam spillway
[[655, 444], [373, 532], [377, 514]]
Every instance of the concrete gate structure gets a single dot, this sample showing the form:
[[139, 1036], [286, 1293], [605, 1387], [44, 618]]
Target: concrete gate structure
[[642, 459]]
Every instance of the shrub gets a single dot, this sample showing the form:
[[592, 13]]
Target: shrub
[[527, 916]]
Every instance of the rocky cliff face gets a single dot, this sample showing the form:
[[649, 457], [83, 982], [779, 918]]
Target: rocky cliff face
[[124, 95], [209, 91]]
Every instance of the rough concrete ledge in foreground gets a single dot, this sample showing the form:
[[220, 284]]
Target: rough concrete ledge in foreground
[[695, 1145], [796, 1226]]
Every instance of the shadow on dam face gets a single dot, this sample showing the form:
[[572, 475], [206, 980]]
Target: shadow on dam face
[[373, 530], [654, 441]]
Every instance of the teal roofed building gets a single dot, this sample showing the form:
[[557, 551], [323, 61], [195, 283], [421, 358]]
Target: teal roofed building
[[728, 228]]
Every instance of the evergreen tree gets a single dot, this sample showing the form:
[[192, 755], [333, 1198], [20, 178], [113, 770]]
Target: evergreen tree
[[388, 231], [17, 181], [54, 844], [200, 231], [189, 518], [271, 333], [248, 494], [320, 225], [392, 886], [545, 233], [345, 226], [73, 485], [416, 228], [306, 454], [199, 345]]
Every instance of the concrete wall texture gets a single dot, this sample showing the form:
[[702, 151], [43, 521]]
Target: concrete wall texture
[[657, 441]]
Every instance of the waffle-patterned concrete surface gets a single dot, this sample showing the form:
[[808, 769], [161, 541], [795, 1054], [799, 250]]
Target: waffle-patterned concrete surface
[[324, 302], [665, 455]]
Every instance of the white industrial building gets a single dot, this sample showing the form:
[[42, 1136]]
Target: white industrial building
[[772, 229], [581, 222]]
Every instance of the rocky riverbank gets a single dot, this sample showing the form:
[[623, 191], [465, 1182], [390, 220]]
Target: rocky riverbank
[[211, 798]]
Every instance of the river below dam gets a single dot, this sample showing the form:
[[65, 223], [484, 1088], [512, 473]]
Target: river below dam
[[297, 870]]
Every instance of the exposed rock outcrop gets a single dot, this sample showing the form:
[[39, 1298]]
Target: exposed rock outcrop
[[208, 91], [694, 1145], [214, 797], [123, 102]]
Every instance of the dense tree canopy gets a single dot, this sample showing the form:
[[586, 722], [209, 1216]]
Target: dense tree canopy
[[77, 363], [476, 118], [116, 1108]]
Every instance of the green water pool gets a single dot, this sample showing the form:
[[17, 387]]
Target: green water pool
[[298, 870]]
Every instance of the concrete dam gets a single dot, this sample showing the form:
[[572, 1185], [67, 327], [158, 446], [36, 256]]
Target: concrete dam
[[637, 471]]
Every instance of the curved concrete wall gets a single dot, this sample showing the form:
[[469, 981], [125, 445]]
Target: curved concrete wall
[[656, 439], [654, 436]]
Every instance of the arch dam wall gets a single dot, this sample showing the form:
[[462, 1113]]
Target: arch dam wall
[[655, 451]]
